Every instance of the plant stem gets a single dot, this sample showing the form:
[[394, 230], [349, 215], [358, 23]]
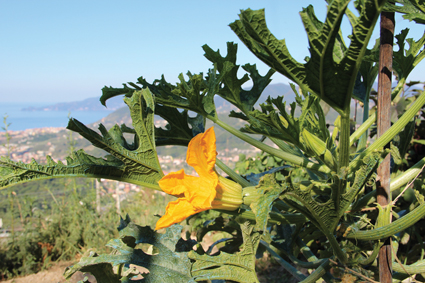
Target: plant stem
[[275, 217], [407, 175], [390, 229], [288, 267], [344, 141], [318, 273], [393, 131], [395, 184], [232, 174], [284, 146], [361, 132], [293, 159]]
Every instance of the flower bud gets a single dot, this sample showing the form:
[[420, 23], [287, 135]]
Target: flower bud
[[228, 195], [318, 148]]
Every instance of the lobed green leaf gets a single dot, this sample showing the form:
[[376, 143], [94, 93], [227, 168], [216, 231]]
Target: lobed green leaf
[[331, 71], [169, 264], [413, 10], [134, 163], [239, 267]]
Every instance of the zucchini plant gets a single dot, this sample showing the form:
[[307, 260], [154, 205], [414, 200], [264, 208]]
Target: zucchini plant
[[313, 208]]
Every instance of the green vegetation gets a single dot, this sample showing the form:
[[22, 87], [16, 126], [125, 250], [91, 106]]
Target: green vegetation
[[63, 223], [309, 199]]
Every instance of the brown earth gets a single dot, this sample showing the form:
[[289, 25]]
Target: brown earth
[[52, 275], [267, 271]]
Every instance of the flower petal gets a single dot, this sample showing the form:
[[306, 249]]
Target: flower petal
[[201, 154], [173, 183], [200, 192], [176, 212]]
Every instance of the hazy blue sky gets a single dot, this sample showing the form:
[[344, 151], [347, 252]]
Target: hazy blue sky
[[54, 51]]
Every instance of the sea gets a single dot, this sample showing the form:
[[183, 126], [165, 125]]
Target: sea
[[22, 120]]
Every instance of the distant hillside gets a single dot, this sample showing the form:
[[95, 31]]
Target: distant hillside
[[224, 139], [272, 90], [43, 141], [93, 104], [57, 143], [89, 104], [122, 115]]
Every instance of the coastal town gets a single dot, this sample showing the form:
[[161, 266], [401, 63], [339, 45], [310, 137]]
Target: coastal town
[[35, 144]]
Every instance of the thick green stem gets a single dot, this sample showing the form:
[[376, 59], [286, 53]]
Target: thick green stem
[[284, 146], [393, 131], [407, 175], [318, 273], [286, 265], [293, 159], [390, 229], [275, 217], [395, 184], [363, 138], [398, 90], [338, 252], [344, 156], [232, 174], [344, 141], [411, 269], [361, 132]]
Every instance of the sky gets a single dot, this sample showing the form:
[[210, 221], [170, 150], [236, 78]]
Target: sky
[[59, 51]]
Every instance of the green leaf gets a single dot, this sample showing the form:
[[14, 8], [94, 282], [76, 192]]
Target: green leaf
[[331, 70], [405, 60], [320, 207], [255, 178], [79, 164], [140, 159], [158, 86], [196, 94], [268, 122], [170, 264], [232, 89], [239, 267], [134, 163], [269, 191], [413, 10], [367, 74], [109, 92], [273, 120], [177, 131]]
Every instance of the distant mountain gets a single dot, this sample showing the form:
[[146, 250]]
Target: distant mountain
[[93, 104], [89, 104], [274, 90]]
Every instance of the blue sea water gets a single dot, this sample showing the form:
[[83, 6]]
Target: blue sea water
[[21, 120]]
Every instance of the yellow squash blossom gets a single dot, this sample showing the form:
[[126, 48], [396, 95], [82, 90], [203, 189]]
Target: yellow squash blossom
[[196, 194]]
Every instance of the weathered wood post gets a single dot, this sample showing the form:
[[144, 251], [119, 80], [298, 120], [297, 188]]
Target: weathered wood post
[[384, 123]]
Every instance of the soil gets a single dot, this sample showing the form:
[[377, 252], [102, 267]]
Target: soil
[[266, 271], [52, 275]]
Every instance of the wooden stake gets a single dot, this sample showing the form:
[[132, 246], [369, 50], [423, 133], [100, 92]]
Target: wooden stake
[[384, 123]]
